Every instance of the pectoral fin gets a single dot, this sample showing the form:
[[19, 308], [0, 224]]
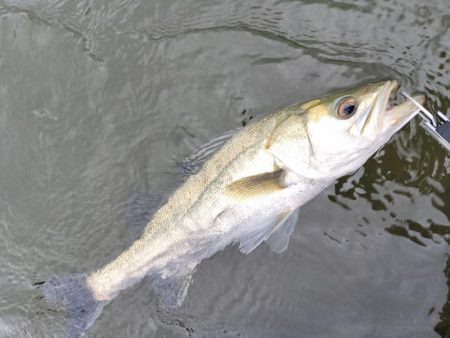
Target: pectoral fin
[[253, 186], [262, 232], [279, 240]]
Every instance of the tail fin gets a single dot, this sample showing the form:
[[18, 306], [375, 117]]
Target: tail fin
[[73, 292]]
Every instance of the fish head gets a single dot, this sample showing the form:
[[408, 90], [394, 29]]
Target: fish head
[[346, 128]]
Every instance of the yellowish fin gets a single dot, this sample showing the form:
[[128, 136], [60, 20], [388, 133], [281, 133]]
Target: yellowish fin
[[257, 185]]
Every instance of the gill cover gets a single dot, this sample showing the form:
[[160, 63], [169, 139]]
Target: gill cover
[[334, 135]]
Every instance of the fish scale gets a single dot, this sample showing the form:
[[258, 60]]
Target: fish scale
[[245, 187]]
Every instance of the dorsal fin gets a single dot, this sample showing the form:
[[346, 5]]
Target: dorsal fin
[[193, 163]]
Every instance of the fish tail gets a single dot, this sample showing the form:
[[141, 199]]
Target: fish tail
[[73, 292]]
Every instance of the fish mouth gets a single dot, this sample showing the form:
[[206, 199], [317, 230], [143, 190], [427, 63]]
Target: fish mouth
[[399, 111], [389, 112]]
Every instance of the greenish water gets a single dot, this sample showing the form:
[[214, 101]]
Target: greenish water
[[99, 99]]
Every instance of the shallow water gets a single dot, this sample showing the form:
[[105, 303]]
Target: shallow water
[[99, 99]]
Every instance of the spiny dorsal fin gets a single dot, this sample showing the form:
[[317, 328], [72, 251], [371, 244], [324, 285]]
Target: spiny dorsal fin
[[193, 163], [257, 185]]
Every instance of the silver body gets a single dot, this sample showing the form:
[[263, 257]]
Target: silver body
[[247, 192], [200, 219]]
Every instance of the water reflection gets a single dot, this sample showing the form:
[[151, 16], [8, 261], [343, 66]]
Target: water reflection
[[97, 97], [443, 326], [421, 179]]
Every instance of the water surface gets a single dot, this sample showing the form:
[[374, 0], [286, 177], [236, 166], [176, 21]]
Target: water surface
[[99, 99]]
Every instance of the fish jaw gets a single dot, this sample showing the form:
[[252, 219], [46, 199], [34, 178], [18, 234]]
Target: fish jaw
[[398, 116], [370, 122], [386, 118], [338, 145]]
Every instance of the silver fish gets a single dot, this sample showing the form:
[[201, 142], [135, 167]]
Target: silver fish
[[245, 187]]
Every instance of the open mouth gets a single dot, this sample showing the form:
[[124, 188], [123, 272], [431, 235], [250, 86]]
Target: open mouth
[[389, 113], [396, 100], [400, 110]]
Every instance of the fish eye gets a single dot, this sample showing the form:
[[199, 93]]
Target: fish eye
[[346, 108]]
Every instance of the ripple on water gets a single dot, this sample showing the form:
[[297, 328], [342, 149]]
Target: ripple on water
[[97, 97]]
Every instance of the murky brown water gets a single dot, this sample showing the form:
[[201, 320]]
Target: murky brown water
[[98, 99]]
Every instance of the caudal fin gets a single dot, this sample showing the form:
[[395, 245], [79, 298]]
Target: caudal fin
[[75, 295]]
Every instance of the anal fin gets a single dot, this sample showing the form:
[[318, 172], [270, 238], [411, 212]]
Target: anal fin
[[171, 291]]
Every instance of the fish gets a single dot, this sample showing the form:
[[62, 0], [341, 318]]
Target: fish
[[245, 187]]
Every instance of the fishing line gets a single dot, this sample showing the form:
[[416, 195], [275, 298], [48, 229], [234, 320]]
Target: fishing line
[[438, 128]]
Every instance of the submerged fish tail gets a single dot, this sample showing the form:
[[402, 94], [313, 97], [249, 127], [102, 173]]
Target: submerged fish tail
[[75, 295]]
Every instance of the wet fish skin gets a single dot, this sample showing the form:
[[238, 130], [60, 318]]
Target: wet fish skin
[[244, 193], [204, 208]]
